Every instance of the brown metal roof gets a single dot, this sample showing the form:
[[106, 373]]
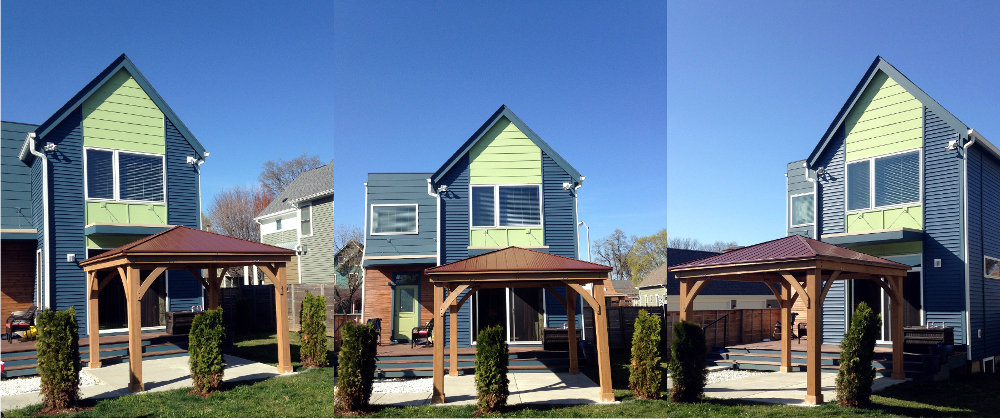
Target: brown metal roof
[[791, 247], [186, 240], [516, 259]]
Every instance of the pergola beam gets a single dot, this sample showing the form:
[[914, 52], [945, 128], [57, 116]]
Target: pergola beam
[[828, 285], [794, 283], [149, 280], [592, 300], [452, 296], [558, 298]]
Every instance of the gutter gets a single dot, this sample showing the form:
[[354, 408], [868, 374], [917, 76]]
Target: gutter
[[30, 141], [437, 239], [968, 276], [364, 248], [815, 200]]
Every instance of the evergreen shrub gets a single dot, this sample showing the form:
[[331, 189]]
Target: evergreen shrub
[[856, 374], [208, 335], [59, 364], [687, 363], [491, 370], [356, 369], [312, 321], [644, 372]]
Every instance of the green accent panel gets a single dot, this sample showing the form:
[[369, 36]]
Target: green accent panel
[[891, 249], [110, 242], [503, 237], [125, 213], [882, 219], [885, 119], [121, 116], [505, 155]]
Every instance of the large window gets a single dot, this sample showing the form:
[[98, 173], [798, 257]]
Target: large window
[[991, 269], [506, 206], [115, 175], [884, 181], [305, 216], [394, 219], [802, 210]]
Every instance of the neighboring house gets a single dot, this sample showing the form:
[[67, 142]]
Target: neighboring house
[[898, 176], [301, 218], [718, 295], [343, 282], [629, 293], [111, 166], [503, 187]]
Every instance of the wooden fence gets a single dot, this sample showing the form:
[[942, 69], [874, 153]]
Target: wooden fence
[[250, 308], [297, 292], [733, 326]]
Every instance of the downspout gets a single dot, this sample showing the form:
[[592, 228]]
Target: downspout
[[364, 303], [437, 239], [576, 230], [788, 207], [45, 218], [815, 201], [968, 280]]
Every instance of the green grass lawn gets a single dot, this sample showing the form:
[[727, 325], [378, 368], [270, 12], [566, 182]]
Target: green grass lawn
[[309, 394], [263, 348]]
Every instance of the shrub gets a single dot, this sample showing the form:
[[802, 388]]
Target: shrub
[[208, 334], [491, 370], [312, 320], [687, 363], [59, 365], [356, 370], [856, 374], [644, 372]]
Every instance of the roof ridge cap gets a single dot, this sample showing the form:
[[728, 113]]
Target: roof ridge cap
[[808, 245]]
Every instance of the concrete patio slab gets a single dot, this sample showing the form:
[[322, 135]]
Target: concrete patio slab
[[782, 388], [525, 388], [160, 374]]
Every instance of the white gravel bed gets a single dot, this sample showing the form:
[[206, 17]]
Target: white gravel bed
[[34, 384], [418, 385], [726, 375]]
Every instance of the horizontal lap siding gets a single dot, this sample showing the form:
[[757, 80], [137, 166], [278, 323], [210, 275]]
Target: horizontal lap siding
[[15, 177], [37, 209], [797, 185], [832, 205], [885, 119], [402, 188], [184, 208], [504, 155], [120, 115], [455, 213], [944, 287], [318, 265], [560, 230], [984, 240]]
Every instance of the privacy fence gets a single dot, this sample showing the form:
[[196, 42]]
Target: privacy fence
[[248, 308], [722, 327]]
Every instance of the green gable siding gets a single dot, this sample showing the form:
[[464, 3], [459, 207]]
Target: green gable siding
[[503, 237], [110, 242], [885, 119], [505, 155], [120, 115], [125, 213], [881, 219]]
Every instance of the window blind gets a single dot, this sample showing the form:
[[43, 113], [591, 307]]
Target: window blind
[[482, 206], [897, 179], [140, 177], [519, 206], [100, 174], [394, 219], [858, 186]]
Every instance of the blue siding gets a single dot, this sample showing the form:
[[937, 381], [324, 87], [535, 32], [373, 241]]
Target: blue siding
[[455, 213], [796, 185], [560, 217], [402, 188], [944, 287], [15, 177], [38, 215], [183, 208], [832, 207], [984, 240]]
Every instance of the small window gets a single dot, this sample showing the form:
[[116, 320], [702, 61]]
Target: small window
[[277, 224], [991, 268], [802, 210], [394, 219], [858, 186], [100, 174], [306, 214], [482, 206]]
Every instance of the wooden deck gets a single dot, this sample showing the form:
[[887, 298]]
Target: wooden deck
[[21, 345], [796, 346], [421, 350]]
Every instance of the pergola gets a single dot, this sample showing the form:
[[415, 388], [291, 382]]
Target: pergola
[[809, 268], [514, 267], [180, 248]]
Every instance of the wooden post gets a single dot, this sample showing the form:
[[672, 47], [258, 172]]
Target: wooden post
[[281, 318], [814, 391], [786, 328], [135, 383], [93, 323], [213, 288], [896, 283], [438, 393], [686, 309], [574, 365], [603, 354], [453, 337]]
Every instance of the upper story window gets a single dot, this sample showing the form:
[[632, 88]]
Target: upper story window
[[277, 225], [394, 219], [506, 206], [802, 210], [305, 218], [884, 181], [991, 267], [117, 175]]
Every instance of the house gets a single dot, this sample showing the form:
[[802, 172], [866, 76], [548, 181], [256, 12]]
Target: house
[[898, 176], [111, 166], [718, 295], [301, 218], [629, 293], [346, 255], [503, 187]]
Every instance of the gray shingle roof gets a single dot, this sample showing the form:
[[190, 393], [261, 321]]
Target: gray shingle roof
[[660, 277], [311, 184], [625, 287]]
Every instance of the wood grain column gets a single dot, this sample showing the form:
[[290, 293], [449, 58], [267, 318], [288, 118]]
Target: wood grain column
[[896, 283], [213, 288], [453, 337], [603, 354], [93, 323], [281, 318], [437, 396], [686, 311], [574, 365], [814, 391], [786, 328], [135, 383]]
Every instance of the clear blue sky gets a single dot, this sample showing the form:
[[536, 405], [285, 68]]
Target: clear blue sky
[[414, 81], [753, 86]]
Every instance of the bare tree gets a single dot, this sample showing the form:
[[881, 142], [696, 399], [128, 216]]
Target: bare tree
[[276, 176], [348, 266], [693, 244], [232, 214], [613, 251], [344, 233]]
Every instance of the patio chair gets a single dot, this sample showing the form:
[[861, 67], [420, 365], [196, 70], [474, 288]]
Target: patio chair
[[422, 333], [378, 328], [20, 320], [776, 333]]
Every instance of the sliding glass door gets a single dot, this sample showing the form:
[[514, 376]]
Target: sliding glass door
[[520, 311]]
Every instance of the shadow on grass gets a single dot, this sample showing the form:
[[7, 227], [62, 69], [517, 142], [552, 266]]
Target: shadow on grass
[[263, 347]]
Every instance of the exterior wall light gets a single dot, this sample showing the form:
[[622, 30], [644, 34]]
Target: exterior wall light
[[50, 147]]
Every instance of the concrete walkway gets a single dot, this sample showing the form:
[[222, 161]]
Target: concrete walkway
[[525, 388], [782, 388], [160, 375]]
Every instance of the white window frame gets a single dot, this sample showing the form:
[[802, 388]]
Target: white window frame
[[416, 224], [791, 210], [115, 176], [871, 182], [312, 225], [496, 205], [985, 258]]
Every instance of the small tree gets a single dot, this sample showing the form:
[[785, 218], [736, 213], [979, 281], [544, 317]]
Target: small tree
[[59, 359], [856, 374], [644, 372], [312, 319], [208, 334], [491, 370], [687, 363], [356, 372]]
